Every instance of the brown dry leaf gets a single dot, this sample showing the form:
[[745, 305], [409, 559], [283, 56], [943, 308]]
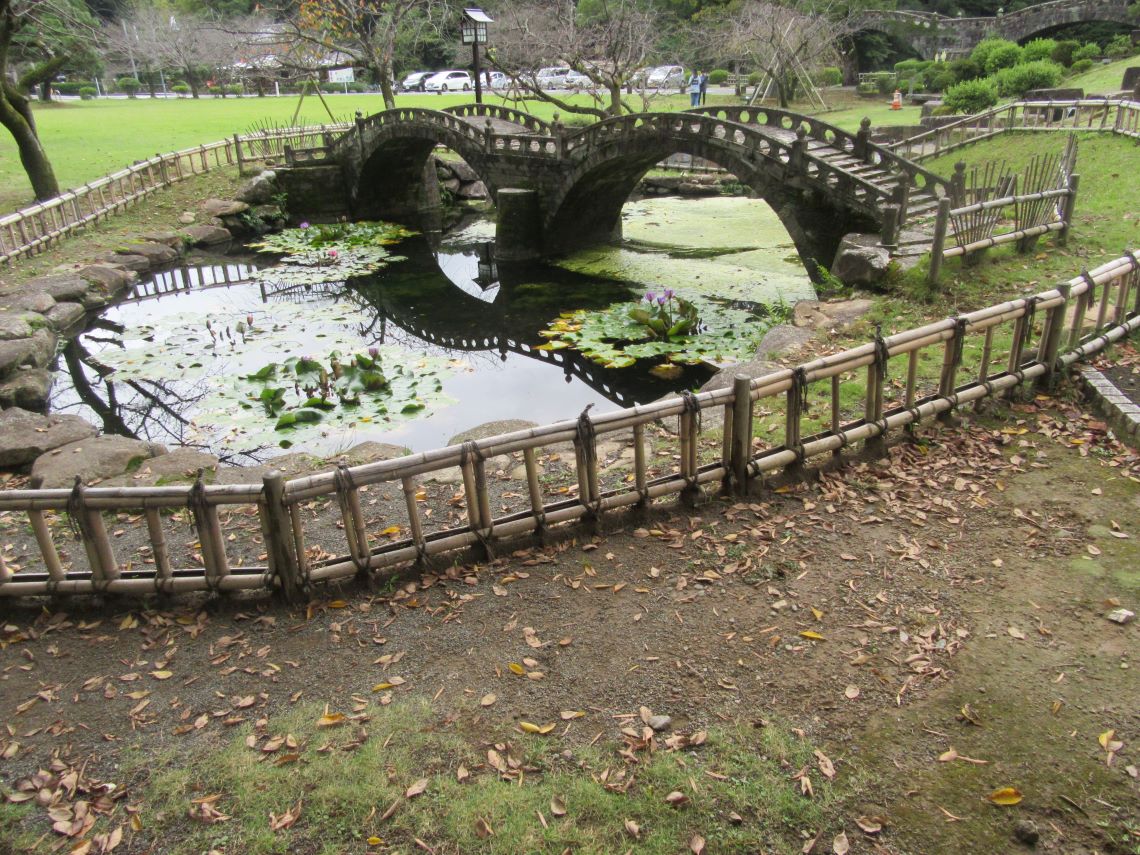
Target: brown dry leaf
[[245, 702], [869, 824], [812, 635], [632, 829], [286, 820], [839, 845], [483, 829], [529, 727], [495, 761], [487, 700], [416, 788], [331, 719], [968, 715], [461, 774], [567, 715], [697, 845], [162, 675], [557, 806], [825, 765], [1005, 797], [948, 755], [851, 692], [676, 798], [1016, 633]]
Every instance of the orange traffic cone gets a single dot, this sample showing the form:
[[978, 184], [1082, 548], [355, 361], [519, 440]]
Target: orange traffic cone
[[896, 102]]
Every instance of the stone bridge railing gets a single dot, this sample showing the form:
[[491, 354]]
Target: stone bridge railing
[[506, 114]]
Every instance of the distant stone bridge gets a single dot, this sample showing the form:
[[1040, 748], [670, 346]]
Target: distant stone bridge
[[559, 188], [932, 34]]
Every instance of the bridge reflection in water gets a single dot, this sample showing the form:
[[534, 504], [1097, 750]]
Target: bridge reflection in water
[[443, 300]]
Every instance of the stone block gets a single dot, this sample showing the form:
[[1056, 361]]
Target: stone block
[[27, 388], [137, 263], [64, 316], [95, 458], [60, 286], [179, 466], [207, 235], [156, 254], [14, 325], [224, 207], [260, 189], [112, 279], [1131, 78], [473, 190], [860, 260], [30, 301], [24, 435], [171, 239]]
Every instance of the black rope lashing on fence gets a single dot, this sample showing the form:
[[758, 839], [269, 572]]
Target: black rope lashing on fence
[[692, 404], [343, 483], [75, 519], [1092, 286], [882, 353], [799, 393], [1028, 319], [587, 435]]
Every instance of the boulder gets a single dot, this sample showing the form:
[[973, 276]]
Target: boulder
[[368, 452], [224, 207], [187, 218], [27, 388], [260, 189], [460, 170], [179, 466], [156, 254], [91, 459], [171, 239], [860, 260], [816, 315], [35, 351], [31, 301], [139, 263], [60, 286], [806, 313], [452, 185], [24, 436], [20, 324], [473, 190], [929, 107], [109, 280], [491, 429], [207, 235], [64, 316], [696, 188], [756, 367], [1131, 78]]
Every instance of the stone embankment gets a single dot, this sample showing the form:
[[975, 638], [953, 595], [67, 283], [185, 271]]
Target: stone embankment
[[37, 314]]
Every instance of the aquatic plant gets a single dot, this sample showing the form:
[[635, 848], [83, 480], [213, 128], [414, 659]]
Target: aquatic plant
[[666, 316], [329, 252]]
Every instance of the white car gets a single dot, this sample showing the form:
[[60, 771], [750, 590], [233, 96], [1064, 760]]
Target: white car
[[496, 80], [552, 78], [666, 77], [449, 81], [578, 80]]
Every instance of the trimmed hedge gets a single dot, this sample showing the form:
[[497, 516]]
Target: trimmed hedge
[[1029, 75], [971, 96], [718, 76], [87, 93]]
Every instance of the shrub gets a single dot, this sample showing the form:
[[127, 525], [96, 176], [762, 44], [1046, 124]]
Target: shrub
[[68, 87], [130, 85], [965, 69], [233, 89], [754, 78], [1003, 56], [1029, 75], [828, 76], [938, 79], [971, 96], [1063, 53], [1120, 47], [1081, 66], [87, 93], [867, 89], [1089, 50], [718, 76], [910, 67], [180, 89], [1039, 49], [982, 50]]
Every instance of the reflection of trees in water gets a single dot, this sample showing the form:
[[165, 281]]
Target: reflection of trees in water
[[154, 410]]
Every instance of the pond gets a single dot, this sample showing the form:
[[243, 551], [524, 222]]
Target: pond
[[222, 357]]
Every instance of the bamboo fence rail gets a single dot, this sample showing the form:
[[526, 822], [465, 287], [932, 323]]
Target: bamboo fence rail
[[1117, 116], [1050, 331], [35, 228]]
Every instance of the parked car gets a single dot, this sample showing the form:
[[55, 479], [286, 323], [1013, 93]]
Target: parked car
[[449, 81], [414, 82], [666, 77], [495, 80], [578, 80], [552, 78]]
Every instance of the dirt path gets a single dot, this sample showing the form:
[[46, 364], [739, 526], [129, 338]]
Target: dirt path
[[967, 574]]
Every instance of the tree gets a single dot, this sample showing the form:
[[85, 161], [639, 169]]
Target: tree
[[606, 40], [785, 40], [366, 34], [37, 35]]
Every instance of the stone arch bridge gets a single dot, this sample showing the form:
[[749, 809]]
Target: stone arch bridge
[[932, 34], [559, 188]]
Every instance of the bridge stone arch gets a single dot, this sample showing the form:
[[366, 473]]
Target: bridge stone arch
[[816, 203]]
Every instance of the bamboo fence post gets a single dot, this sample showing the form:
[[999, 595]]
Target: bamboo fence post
[[984, 368], [740, 452], [44, 540], [1079, 317], [93, 532], [793, 411], [408, 484], [873, 406], [951, 358], [277, 526], [475, 519], [299, 548], [889, 235], [352, 516], [1102, 309], [237, 151], [1068, 209], [158, 547], [941, 224], [1051, 339], [641, 479], [534, 489], [836, 414]]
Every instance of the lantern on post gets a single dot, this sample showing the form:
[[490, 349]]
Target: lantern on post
[[473, 29]]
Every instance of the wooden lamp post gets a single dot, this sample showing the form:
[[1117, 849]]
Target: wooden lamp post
[[473, 29]]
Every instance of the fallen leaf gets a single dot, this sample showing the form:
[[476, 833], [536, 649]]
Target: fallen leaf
[[567, 715], [851, 692], [483, 829], [330, 719], [557, 806], [416, 788], [814, 636], [487, 700], [1005, 797], [1016, 633], [632, 829], [869, 824], [697, 845], [839, 845], [676, 798]]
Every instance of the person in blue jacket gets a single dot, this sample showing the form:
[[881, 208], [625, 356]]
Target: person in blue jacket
[[695, 89]]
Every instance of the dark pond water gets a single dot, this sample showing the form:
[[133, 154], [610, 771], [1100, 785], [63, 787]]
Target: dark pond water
[[454, 335]]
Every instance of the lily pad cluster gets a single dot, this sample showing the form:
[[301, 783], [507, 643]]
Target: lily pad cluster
[[301, 389], [331, 252], [688, 333]]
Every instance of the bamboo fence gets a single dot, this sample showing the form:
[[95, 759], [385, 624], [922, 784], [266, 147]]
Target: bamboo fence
[[1117, 116], [1050, 331], [35, 228]]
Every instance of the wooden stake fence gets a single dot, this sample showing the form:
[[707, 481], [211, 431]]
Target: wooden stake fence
[[35, 228], [1087, 314]]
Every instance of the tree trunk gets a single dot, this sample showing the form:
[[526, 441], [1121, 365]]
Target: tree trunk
[[45, 90], [615, 99], [191, 81], [32, 155], [384, 72]]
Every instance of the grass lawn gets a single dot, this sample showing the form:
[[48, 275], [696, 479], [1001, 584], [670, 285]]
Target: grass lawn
[[1103, 79]]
